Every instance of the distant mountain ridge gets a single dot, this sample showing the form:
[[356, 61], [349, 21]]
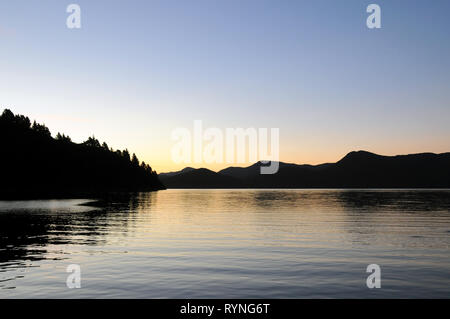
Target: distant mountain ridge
[[184, 170], [360, 169], [200, 178]]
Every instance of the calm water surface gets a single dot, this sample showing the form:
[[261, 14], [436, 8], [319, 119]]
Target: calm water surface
[[229, 244]]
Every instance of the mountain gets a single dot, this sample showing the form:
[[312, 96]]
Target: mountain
[[356, 170], [200, 178], [184, 170], [33, 164]]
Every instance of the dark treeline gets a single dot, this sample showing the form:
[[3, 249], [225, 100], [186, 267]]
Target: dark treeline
[[34, 164]]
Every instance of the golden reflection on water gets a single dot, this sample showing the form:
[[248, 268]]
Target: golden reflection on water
[[229, 243]]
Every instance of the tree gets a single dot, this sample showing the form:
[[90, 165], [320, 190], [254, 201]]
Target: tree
[[41, 129], [134, 161], [63, 138], [7, 116], [126, 155], [92, 142], [22, 121]]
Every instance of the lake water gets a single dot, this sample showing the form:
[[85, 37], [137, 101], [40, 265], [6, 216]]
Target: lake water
[[229, 244]]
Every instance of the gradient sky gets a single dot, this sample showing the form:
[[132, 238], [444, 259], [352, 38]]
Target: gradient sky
[[137, 70]]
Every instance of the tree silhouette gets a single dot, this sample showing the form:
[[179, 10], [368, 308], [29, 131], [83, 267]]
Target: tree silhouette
[[126, 155], [41, 129], [92, 142], [63, 138], [33, 164], [135, 161]]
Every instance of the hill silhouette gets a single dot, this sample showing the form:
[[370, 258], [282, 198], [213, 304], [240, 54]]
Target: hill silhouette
[[200, 178], [356, 170], [33, 164], [184, 170]]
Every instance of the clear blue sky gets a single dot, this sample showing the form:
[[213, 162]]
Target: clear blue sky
[[138, 69]]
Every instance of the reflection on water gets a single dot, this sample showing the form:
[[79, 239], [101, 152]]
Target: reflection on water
[[229, 243]]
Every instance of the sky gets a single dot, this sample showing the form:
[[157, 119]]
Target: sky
[[137, 70]]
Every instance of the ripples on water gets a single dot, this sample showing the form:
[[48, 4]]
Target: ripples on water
[[229, 244]]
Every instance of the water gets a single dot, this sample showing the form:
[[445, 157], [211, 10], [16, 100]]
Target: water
[[230, 244]]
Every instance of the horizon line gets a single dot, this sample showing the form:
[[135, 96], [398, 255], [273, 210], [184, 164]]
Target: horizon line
[[304, 164]]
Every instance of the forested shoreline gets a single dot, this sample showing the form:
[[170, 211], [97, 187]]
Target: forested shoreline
[[33, 164]]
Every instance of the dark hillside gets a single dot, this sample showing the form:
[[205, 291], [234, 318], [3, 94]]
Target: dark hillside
[[34, 164]]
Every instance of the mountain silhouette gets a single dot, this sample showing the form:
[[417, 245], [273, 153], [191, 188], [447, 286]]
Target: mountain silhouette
[[200, 178], [356, 170], [33, 164], [184, 170]]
